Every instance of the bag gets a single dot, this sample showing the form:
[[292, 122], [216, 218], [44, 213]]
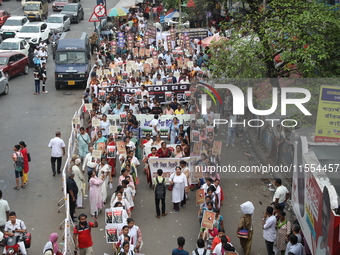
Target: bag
[[19, 164], [204, 253], [160, 189], [28, 157], [243, 233], [171, 186]]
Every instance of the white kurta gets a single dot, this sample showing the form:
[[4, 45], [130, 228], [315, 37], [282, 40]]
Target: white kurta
[[104, 171], [180, 182]]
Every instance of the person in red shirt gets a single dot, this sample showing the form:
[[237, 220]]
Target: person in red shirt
[[147, 12], [164, 152], [217, 239], [82, 234]]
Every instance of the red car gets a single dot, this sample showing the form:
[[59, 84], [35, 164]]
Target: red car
[[4, 15], [13, 63], [58, 5]]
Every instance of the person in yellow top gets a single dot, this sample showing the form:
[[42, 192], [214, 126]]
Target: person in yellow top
[[147, 81], [179, 110]]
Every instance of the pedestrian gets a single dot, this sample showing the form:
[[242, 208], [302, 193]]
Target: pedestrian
[[283, 231], [246, 223], [180, 250], [160, 192], [51, 247], [156, 127], [43, 72], [4, 212], [200, 250], [90, 163], [231, 130], [82, 234], [269, 229], [180, 187], [84, 141], [95, 194], [27, 158], [126, 248], [217, 239], [15, 228], [218, 250], [93, 42], [281, 194], [58, 150], [295, 231], [37, 78], [135, 235], [72, 190], [80, 180], [295, 248], [18, 166], [104, 171]]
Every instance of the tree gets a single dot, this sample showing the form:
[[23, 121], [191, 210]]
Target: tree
[[285, 39]]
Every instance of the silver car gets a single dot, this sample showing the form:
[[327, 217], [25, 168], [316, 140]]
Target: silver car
[[4, 86], [58, 23]]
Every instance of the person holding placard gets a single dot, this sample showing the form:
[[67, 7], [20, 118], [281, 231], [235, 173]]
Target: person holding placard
[[84, 141]]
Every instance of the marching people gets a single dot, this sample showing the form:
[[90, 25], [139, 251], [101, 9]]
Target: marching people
[[180, 188]]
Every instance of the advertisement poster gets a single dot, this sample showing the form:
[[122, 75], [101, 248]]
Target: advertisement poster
[[328, 119], [208, 220], [200, 196]]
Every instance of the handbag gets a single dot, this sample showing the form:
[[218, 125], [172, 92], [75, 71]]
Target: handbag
[[171, 187], [28, 157], [243, 232]]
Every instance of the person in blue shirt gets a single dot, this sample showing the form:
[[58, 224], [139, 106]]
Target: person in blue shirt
[[118, 110], [180, 250]]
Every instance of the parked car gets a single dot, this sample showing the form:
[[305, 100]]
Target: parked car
[[58, 23], [4, 86], [74, 11], [15, 45], [58, 5], [12, 63], [34, 33], [4, 15], [12, 26]]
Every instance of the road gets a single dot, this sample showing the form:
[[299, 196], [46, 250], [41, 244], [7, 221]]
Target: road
[[35, 119]]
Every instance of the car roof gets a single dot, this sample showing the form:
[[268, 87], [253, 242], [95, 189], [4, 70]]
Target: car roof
[[12, 40], [34, 24], [72, 4], [8, 54], [57, 15], [17, 17]]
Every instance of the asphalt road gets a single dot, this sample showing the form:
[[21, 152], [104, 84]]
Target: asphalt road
[[35, 118]]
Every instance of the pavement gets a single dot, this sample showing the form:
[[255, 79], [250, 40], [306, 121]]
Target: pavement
[[34, 119]]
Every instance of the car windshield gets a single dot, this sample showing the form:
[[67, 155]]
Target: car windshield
[[13, 22], [3, 60], [70, 57], [9, 46], [29, 29], [71, 8], [32, 7], [54, 20]]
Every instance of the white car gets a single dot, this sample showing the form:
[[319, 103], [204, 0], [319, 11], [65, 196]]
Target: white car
[[58, 23], [4, 86], [15, 45], [34, 33], [12, 26]]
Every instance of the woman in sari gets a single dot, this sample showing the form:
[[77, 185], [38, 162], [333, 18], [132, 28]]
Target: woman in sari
[[158, 141], [104, 171], [96, 199], [173, 130], [153, 154], [283, 227], [178, 153], [24, 153], [125, 204], [147, 141], [135, 235], [83, 143], [99, 138], [185, 147]]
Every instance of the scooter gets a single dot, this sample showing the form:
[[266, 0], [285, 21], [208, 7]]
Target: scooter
[[11, 243]]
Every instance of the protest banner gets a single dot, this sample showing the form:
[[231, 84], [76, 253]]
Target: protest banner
[[208, 220], [200, 196]]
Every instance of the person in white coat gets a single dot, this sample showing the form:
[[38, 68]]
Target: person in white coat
[[180, 188], [79, 179]]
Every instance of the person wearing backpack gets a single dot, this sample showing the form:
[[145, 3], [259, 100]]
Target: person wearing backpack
[[18, 166], [160, 191], [200, 248]]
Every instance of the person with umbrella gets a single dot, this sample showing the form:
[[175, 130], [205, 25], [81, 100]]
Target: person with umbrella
[[245, 225]]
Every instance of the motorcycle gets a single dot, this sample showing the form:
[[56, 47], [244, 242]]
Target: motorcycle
[[11, 243]]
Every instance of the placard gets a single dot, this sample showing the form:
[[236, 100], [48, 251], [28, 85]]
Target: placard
[[101, 146], [116, 70], [200, 196], [107, 71], [208, 220], [197, 147], [147, 68], [97, 154], [147, 53], [88, 107], [121, 149], [190, 64], [113, 130], [135, 52], [95, 122], [111, 151], [76, 120], [155, 63], [168, 97], [141, 52], [217, 147]]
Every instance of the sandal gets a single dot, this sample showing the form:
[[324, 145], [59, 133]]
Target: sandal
[[23, 186], [17, 187]]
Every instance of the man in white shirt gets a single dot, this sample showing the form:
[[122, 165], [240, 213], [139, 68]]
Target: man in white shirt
[[15, 227], [105, 108], [58, 150], [281, 194], [134, 107], [200, 248], [89, 163], [269, 231], [155, 126], [4, 212], [296, 248]]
